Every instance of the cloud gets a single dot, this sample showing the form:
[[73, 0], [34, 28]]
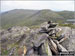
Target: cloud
[[37, 5]]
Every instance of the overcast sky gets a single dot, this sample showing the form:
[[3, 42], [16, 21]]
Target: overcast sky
[[37, 5]]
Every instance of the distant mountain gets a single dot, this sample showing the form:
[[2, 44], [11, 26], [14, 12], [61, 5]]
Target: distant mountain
[[32, 17], [67, 14]]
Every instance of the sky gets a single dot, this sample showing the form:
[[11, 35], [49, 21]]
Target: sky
[[37, 5]]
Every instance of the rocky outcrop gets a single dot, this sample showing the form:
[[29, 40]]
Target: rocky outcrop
[[15, 38], [13, 34]]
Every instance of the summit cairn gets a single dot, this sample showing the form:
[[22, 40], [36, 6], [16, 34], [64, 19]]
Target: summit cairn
[[46, 42]]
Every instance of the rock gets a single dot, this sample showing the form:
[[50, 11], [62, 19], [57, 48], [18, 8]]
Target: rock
[[39, 39], [45, 24], [69, 43], [35, 42], [13, 35], [46, 49]]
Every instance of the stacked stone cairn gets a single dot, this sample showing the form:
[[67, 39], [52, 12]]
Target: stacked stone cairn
[[46, 44]]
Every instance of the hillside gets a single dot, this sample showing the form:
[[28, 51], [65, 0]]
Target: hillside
[[32, 17], [67, 14], [14, 17]]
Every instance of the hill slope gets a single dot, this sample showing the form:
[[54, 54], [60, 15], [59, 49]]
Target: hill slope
[[30, 17], [67, 14]]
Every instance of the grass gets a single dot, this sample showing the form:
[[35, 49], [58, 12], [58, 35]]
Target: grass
[[4, 52], [68, 25], [34, 26]]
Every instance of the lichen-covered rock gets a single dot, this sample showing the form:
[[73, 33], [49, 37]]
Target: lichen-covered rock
[[12, 36], [69, 43]]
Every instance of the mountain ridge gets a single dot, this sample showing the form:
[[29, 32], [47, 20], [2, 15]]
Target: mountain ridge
[[32, 17]]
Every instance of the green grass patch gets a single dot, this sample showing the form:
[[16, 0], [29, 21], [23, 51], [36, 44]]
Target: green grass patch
[[4, 52], [68, 25]]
